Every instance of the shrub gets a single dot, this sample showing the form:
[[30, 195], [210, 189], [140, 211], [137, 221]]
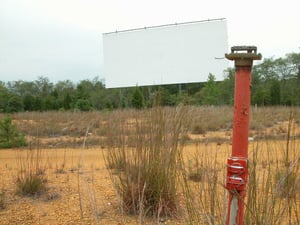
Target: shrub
[[9, 135], [31, 177], [138, 101], [83, 105], [30, 185], [147, 171]]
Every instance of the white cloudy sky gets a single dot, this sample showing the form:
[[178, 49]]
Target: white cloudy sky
[[62, 39]]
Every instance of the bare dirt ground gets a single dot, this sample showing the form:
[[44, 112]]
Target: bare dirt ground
[[78, 186], [79, 189]]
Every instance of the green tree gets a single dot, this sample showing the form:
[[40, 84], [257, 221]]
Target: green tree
[[37, 103], [167, 99], [67, 101], [14, 104], [45, 87], [267, 69], [137, 100], [209, 93], [28, 102], [3, 97], [99, 95], [49, 103], [294, 63], [261, 96], [84, 89], [9, 135], [22, 87], [265, 81], [226, 88], [83, 105], [275, 93]]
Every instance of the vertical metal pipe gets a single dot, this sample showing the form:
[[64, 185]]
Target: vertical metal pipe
[[237, 173], [241, 112]]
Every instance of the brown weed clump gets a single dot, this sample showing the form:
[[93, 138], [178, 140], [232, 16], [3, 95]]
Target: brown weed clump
[[31, 176], [145, 155]]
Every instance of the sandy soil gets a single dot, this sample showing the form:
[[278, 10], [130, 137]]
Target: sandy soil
[[78, 186], [79, 189]]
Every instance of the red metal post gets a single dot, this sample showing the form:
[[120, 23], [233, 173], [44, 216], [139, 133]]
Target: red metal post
[[237, 172]]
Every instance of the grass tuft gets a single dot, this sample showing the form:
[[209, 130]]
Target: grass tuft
[[31, 177], [31, 185], [147, 171]]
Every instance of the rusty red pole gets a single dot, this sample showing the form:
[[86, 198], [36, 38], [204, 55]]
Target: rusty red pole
[[237, 173]]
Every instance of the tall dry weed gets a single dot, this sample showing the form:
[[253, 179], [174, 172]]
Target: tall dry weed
[[273, 187], [204, 197], [145, 155], [31, 177]]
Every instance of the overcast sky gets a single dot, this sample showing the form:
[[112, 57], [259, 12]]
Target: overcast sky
[[62, 39]]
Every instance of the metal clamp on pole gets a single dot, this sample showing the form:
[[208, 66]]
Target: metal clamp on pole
[[236, 174]]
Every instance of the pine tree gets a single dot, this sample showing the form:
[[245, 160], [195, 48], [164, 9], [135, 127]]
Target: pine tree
[[9, 135]]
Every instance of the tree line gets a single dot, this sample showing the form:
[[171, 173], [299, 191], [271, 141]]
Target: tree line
[[274, 82]]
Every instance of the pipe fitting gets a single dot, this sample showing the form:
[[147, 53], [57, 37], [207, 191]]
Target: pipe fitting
[[243, 55]]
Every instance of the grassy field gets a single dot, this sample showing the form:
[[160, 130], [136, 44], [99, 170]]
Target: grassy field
[[95, 167]]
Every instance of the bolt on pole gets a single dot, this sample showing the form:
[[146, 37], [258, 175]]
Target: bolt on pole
[[237, 172]]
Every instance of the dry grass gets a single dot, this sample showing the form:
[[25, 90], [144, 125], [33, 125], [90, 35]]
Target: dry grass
[[67, 129], [205, 199], [81, 189], [273, 190], [31, 177], [146, 156]]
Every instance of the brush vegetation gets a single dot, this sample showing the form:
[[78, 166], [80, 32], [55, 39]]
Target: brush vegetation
[[145, 159], [31, 177], [163, 163], [9, 135], [198, 176]]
